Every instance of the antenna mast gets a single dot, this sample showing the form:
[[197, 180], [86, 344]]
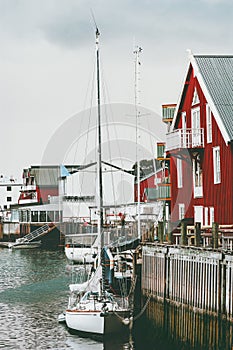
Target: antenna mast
[[137, 52]]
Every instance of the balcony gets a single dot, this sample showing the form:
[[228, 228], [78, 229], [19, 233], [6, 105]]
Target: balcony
[[164, 192], [161, 150], [28, 188], [185, 138], [168, 112]]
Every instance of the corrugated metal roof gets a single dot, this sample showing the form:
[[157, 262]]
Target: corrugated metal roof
[[49, 175], [46, 176], [217, 73]]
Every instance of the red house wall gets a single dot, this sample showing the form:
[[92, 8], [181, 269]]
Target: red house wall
[[44, 192], [219, 196], [147, 183]]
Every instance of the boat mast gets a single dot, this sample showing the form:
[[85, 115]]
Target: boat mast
[[137, 52], [100, 177]]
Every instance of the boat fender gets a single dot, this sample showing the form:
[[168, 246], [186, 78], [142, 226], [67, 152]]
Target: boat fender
[[126, 321]]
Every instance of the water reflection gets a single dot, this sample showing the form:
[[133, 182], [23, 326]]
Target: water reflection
[[75, 342]]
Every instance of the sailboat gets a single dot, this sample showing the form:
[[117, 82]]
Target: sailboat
[[92, 309]]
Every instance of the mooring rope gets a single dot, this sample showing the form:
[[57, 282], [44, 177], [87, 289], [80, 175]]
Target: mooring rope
[[143, 309]]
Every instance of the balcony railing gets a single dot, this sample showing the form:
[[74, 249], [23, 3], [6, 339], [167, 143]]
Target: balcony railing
[[168, 112], [28, 188], [161, 149], [185, 138], [164, 192]]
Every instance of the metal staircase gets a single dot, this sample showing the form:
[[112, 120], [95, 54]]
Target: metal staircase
[[36, 233]]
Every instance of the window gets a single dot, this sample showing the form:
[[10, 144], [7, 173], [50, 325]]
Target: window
[[50, 216], [183, 140], [196, 127], [197, 177], [8, 199], [181, 211], [208, 124], [8, 188], [179, 173], [217, 165], [211, 216], [183, 120], [195, 98], [198, 214], [206, 212], [34, 216], [42, 216]]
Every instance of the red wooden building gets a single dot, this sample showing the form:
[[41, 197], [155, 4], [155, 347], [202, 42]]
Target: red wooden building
[[200, 143], [147, 189]]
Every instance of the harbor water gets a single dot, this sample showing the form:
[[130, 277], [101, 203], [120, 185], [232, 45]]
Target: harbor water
[[34, 291]]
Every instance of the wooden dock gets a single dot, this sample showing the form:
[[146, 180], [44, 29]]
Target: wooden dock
[[191, 294], [198, 278]]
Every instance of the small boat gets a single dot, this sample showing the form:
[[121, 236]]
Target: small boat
[[62, 318], [18, 244], [81, 248]]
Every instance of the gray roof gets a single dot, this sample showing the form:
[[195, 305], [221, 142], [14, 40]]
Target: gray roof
[[49, 175], [46, 175], [217, 74]]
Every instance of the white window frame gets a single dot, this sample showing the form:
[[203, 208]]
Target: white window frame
[[196, 126], [184, 126], [196, 99], [208, 124], [216, 165], [197, 179], [179, 173], [206, 216], [181, 211], [211, 215]]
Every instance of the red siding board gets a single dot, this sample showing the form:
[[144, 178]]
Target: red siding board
[[147, 183]]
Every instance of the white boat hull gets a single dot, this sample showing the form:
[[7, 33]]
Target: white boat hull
[[85, 322], [95, 323], [79, 255]]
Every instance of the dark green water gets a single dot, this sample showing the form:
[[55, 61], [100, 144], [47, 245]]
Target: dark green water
[[33, 292]]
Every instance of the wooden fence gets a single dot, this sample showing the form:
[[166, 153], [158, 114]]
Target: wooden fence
[[201, 279]]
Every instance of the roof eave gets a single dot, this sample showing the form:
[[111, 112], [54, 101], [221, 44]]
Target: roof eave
[[179, 100]]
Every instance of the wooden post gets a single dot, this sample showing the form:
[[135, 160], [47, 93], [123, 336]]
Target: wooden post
[[183, 233], [215, 235], [197, 234], [160, 231], [170, 235]]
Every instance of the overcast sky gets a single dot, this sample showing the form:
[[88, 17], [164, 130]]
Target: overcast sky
[[47, 53]]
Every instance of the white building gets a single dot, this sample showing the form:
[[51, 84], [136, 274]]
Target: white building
[[9, 194]]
